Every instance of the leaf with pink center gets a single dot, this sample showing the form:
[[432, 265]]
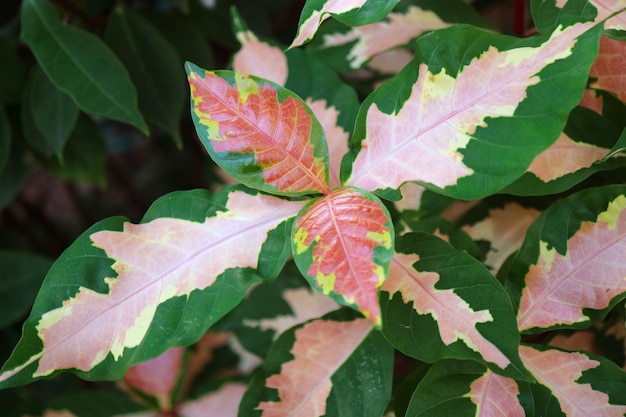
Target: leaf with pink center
[[584, 385], [354, 12], [342, 244], [546, 14], [570, 269], [466, 389], [319, 368], [139, 286], [223, 402], [259, 132], [462, 91], [158, 377], [451, 304], [608, 67]]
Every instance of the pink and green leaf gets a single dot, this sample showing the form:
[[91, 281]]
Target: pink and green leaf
[[342, 244], [354, 12], [546, 14], [333, 102], [158, 378], [570, 269], [259, 132], [608, 67], [439, 131], [348, 48], [120, 284], [451, 304], [582, 384], [320, 369], [466, 389]]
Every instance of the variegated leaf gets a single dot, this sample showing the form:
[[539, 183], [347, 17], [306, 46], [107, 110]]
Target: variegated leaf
[[465, 389], [326, 367], [566, 375], [608, 67], [571, 261], [463, 94], [260, 133], [224, 402], [151, 283], [343, 244], [546, 14], [451, 304], [354, 12]]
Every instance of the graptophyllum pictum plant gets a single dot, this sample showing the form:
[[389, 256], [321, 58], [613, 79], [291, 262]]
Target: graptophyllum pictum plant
[[471, 115]]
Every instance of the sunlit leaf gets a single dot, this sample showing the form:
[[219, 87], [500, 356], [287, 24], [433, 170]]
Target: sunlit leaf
[[260, 133], [439, 131], [343, 244], [146, 280]]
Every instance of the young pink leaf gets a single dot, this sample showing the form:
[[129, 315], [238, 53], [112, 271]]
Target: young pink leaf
[[304, 383], [155, 262], [257, 57], [495, 396], [343, 243], [158, 377], [260, 133], [373, 39], [564, 157], [505, 229], [588, 276], [560, 372], [608, 67], [223, 402], [456, 320], [424, 139]]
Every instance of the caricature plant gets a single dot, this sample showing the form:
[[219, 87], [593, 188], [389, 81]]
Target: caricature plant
[[466, 222]]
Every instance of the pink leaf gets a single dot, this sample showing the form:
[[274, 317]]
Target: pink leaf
[[495, 396], [455, 318], [155, 262], [423, 140], [589, 275], [223, 403], [342, 232], [304, 383], [505, 228], [308, 27], [592, 101], [158, 377], [260, 59], [560, 371], [336, 137], [609, 67], [564, 157], [373, 39], [250, 118]]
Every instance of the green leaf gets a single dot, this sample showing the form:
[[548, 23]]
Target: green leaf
[[54, 114], [153, 66], [14, 174], [96, 403], [84, 156], [80, 64], [438, 302], [13, 73], [23, 273], [5, 138]]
